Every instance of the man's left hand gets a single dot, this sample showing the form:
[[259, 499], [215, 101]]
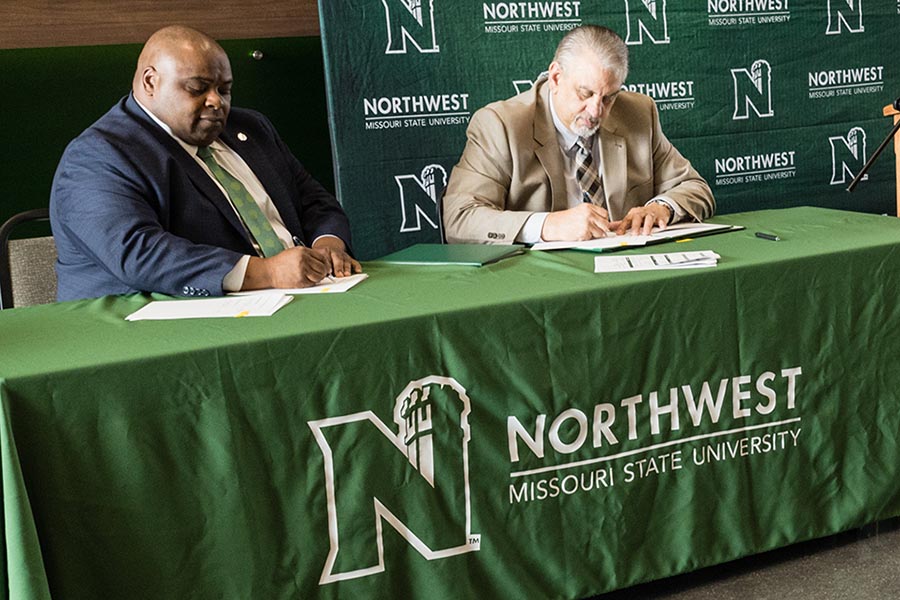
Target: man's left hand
[[343, 265], [640, 220]]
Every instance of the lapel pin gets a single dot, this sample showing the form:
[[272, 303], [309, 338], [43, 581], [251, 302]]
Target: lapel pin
[[242, 136]]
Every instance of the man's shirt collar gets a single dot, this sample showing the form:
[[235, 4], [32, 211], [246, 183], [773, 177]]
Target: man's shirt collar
[[567, 138], [189, 148]]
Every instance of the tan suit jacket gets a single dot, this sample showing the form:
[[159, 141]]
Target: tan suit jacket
[[512, 167]]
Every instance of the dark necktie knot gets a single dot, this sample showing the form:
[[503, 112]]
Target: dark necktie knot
[[585, 144]]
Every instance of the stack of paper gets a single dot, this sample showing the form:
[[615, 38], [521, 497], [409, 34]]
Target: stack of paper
[[262, 305], [612, 241], [329, 285], [651, 262]]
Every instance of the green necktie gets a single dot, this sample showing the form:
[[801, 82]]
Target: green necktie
[[253, 216]]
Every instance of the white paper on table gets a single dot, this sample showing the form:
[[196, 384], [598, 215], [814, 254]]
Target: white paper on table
[[652, 262], [612, 240], [263, 305], [329, 285]]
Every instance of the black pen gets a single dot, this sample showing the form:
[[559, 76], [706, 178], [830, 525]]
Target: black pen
[[768, 236]]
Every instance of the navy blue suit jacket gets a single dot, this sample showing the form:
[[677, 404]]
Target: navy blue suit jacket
[[132, 211]]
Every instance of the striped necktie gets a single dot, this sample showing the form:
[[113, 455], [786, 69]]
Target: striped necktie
[[252, 215], [588, 178]]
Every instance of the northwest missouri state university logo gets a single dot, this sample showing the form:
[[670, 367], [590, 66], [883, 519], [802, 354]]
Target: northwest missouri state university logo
[[851, 81], [848, 155], [845, 15], [531, 16], [422, 110], [412, 475], [648, 437], [755, 168], [646, 18], [753, 91], [419, 196], [668, 95], [725, 13], [410, 22]]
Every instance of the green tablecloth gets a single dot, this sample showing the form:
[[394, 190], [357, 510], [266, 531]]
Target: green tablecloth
[[524, 429]]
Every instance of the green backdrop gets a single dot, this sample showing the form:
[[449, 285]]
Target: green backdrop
[[776, 102]]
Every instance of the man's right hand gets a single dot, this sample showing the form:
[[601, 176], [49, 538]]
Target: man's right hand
[[584, 222], [293, 268]]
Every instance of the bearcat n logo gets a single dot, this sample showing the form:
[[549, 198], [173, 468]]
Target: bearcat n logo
[[413, 476]]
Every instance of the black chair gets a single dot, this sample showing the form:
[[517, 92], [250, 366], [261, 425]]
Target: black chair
[[27, 266]]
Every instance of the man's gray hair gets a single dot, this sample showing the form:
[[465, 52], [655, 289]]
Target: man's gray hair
[[602, 41]]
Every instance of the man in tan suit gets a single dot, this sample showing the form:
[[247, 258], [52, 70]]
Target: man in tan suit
[[573, 158]]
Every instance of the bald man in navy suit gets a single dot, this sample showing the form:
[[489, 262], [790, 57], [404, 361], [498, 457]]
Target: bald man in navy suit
[[135, 209]]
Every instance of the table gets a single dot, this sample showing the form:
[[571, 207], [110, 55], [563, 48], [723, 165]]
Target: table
[[524, 429]]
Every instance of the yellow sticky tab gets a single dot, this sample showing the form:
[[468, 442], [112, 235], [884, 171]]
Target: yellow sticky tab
[[684, 240], [243, 313]]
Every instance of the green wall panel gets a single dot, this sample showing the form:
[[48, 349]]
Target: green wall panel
[[52, 94]]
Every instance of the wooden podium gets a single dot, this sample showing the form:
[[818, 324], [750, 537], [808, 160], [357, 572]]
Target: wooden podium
[[889, 111]]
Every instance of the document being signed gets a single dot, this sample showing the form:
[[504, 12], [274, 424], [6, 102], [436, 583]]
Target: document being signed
[[618, 242]]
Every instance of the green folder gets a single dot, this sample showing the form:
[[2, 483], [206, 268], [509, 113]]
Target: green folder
[[475, 255]]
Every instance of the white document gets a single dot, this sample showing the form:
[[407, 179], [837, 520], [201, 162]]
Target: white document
[[612, 240], [262, 305], [652, 262], [329, 285]]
